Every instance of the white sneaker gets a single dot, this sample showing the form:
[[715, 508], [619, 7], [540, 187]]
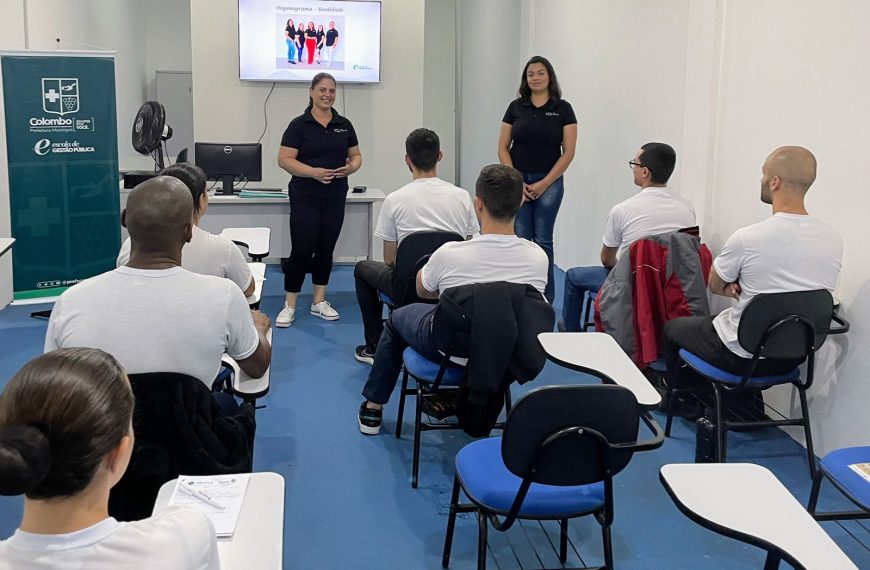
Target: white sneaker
[[325, 311], [286, 317]]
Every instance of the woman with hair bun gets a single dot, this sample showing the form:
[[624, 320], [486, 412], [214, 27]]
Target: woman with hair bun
[[65, 439]]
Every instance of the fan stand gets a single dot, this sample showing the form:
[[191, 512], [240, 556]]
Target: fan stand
[[160, 161]]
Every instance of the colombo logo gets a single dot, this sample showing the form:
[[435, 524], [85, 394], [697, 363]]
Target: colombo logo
[[60, 95]]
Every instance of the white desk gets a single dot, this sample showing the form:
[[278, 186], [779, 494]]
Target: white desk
[[258, 541], [244, 386], [747, 502], [355, 242], [6, 293], [598, 354], [255, 240]]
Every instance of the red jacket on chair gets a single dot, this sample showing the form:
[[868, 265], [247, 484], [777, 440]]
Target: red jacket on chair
[[663, 277]]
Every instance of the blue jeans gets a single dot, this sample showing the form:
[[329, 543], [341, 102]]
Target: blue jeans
[[579, 281], [291, 50], [410, 325], [535, 222]]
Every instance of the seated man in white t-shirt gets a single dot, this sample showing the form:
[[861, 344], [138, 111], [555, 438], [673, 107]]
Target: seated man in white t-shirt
[[790, 251], [153, 315], [653, 210], [207, 253], [497, 254], [426, 204]]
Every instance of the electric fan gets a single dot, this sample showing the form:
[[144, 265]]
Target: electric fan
[[150, 130]]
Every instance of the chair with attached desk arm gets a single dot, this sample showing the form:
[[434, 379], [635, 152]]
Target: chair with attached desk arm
[[790, 326], [556, 460], [255, 240], [836, 467]]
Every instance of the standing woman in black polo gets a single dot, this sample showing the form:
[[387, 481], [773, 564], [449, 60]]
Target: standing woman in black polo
[[538, 137], [320, 150]]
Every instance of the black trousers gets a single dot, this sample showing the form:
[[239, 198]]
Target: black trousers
[[697, 335], [315, 224], [371, 277]]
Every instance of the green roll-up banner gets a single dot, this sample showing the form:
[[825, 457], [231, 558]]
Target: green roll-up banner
[[62, 148]]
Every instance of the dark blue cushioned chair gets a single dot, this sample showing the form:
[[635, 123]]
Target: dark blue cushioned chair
[[835, 466], [788, 326], [561, 448]]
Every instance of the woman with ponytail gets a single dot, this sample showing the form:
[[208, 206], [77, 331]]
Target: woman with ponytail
[[65, 439]]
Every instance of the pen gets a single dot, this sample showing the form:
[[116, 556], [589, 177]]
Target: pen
[[202, 496]]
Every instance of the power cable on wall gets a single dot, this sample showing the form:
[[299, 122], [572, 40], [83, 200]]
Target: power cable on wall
[[265, 115]]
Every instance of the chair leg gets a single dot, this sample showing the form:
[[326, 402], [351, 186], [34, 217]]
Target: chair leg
[[507, 401], [563, 541], [772, 560], [402, 397], [672, 399], [418, 417], [451, 524], [720, 425], [608, 547], [805, 413], [814, 493], [481, 540]]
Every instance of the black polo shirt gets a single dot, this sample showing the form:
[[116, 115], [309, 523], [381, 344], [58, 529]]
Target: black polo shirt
[[331, 35], [536, 133], [310, 34], [320, 37], [321, 148], [291, 32]]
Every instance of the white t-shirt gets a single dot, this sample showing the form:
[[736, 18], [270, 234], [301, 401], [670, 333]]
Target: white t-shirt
[[174, 539], [207, 254], [167, 320], [786, 252], [653, 210], [426, 205], [483, 259]]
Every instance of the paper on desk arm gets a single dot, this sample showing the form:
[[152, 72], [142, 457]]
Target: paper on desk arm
[[862, 469], [227, 490]]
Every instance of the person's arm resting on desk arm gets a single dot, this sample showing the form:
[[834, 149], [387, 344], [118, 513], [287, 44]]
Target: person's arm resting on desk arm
[[608, 256], [258, 363]]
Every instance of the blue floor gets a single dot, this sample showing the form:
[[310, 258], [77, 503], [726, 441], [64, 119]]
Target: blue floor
[[349, 502]]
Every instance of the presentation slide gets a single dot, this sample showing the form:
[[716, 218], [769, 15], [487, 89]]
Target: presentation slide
[[299, 39]]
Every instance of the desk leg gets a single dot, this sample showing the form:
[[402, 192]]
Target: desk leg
[[371, 231]]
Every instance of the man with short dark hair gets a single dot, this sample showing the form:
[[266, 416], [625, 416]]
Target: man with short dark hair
[[790, 251], [426, 204], [497, 254], [653, 210], [153, 315]]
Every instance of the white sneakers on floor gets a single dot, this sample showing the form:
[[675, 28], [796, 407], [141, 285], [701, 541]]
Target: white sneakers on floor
[[322, 309], [325, 311], [286, 317]]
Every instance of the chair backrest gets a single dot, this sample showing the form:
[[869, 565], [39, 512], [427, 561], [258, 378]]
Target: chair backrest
[[579, 458], [410, 256], [797, 323], [182, 156]]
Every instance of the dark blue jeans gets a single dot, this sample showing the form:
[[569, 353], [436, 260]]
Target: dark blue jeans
[[579, 281], [536, 220], [410, 325]]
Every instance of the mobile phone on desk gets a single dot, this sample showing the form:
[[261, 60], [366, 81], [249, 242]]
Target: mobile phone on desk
[[359, 189]]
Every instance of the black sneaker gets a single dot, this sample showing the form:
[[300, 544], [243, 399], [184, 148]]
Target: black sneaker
[[369, 420], [364, 354]]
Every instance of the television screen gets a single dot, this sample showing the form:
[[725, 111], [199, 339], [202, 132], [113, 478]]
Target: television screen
[[294, 41]]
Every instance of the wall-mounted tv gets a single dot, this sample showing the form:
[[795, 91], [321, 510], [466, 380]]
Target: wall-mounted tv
[[295, 40]]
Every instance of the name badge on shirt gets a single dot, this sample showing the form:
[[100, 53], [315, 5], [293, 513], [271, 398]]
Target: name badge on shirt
[[337, 130], [551, 114]]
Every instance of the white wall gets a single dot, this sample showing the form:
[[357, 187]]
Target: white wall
[[621, 65], [439, 80], [489, 74], [794, 73], [229, 110]]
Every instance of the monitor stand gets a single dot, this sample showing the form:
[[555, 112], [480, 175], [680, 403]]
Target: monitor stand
[[227, 189]]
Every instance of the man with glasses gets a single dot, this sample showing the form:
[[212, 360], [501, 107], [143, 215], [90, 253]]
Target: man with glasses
[[653, 210]]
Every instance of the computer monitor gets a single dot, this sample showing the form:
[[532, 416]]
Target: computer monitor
[[230, 162]]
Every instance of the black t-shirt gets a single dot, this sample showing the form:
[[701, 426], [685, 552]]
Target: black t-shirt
[[291, 32], [536, 133], [331, 35], [320, 37], [321, 148], [310, 34], [300, 36]]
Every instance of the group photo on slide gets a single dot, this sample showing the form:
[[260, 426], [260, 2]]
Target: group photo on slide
[[310, 41]]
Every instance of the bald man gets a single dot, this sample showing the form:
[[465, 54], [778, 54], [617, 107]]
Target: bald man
[[154, 316], [790, 251]]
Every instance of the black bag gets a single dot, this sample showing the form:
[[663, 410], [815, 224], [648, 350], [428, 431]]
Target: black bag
[[705, 439]]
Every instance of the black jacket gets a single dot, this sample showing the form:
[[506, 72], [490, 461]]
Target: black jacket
[[496, 325], [178, 431]]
